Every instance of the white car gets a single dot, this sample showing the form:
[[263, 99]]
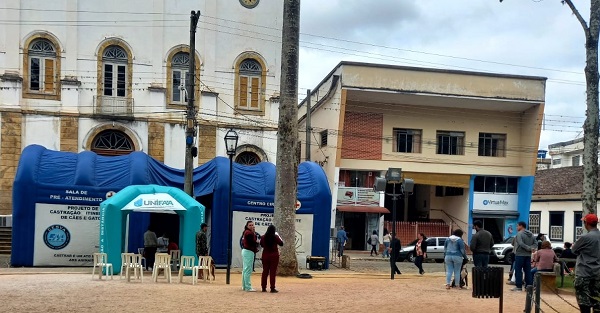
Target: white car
[[435, 250], [503, 251]]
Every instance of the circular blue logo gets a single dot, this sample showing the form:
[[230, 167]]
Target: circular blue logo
[[485, 202], [57, 237]]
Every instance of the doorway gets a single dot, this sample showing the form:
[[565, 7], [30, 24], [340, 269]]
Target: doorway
[[355, 227], [495, 226], [164, 223]]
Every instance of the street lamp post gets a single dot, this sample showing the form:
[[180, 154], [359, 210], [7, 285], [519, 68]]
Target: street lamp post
[[231, 141]]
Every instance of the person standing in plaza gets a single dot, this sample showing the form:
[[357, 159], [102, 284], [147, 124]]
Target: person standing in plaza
[[341, 241], [270, 257], [454, 254], [420, 252], [481, 245], [374, 243], [202, 241], [250, 247], [150, 245], [395, 247], [525, 242], [387, 238], [587, 270]]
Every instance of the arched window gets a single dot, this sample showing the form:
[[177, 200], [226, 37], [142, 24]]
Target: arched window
[[42, 67], [180, 64], [114, 71], [111, 143], [247, 158], [250, 85]]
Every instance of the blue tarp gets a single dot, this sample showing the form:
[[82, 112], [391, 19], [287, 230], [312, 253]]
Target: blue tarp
[[52, 177]]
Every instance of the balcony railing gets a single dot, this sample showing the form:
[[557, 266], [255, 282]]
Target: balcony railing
[[357, 196], [113, 106], [556, 232]]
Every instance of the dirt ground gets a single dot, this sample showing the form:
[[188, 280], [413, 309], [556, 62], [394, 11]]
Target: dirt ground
[[328, 292]]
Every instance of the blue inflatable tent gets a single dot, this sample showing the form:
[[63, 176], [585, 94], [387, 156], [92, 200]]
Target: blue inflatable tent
[[56, 198]]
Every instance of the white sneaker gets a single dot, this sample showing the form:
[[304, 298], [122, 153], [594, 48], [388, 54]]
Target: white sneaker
[[251, 290], [516, 289]]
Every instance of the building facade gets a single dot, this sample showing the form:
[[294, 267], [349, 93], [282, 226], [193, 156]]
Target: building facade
[[75, 76], [566, 153], [556, 208], [466, 139]]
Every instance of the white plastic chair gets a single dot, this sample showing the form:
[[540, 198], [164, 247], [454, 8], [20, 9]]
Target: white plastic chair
[[175, 262], [204, 266], [162, 261], [101, 262], [125, 259], [134, 261], [187, 263]]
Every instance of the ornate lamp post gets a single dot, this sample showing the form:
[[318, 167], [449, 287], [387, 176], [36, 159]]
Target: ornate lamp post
[[231, 141]]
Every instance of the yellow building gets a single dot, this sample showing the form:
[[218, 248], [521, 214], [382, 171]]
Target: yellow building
[[469, 140]]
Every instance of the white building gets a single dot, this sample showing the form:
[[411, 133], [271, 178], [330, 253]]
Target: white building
[[566, 153], [556, 208], [106, 76]]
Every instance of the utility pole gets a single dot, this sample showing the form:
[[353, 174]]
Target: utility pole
[[190, 131], [308, 126], [286, 183]]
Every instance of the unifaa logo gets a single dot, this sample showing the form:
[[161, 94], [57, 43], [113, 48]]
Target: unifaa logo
[[57, 237], [141, 202]]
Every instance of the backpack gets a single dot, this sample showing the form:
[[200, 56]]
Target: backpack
[[369, 241]]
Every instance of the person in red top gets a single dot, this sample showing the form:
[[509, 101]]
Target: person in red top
[[172, 246], [250, 247], [270, 257]]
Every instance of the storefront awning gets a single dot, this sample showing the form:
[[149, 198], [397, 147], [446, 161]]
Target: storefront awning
[[362, 209], [436, 179], [494, 214]]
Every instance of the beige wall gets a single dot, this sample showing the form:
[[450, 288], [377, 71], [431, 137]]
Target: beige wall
[[456, 208], [444, 82]]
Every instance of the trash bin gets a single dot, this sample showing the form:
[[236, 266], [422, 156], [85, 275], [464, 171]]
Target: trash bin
[[488, 283]]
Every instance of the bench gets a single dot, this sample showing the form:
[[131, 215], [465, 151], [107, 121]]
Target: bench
[[564, 268], [548, 281]]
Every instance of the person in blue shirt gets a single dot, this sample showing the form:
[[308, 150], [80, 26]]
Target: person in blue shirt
[[341, 240], [454, 254]]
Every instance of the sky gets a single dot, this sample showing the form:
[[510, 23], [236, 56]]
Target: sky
[[524, 37]]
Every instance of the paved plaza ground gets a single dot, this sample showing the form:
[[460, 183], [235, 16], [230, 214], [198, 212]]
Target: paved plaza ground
[[365, 288]]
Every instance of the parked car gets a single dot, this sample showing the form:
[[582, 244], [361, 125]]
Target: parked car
[[435, 250], [503, 251]]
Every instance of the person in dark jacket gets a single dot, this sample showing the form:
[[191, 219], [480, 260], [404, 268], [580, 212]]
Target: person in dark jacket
[[481, 245], [420, 252], [270, 257], [568, 254], [395, 247]]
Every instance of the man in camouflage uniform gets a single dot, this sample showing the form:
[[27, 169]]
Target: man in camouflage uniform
[[587, 270], [202, 241]]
